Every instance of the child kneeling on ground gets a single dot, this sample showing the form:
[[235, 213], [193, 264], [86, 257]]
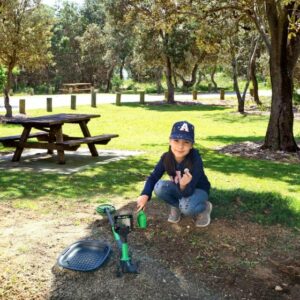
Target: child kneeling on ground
[[188, 188]]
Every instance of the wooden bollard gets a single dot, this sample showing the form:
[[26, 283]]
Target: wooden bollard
[[194, 95], [22, 106], [252, 92], [166, 95], [73, 102], [93, 99], [49, 104], [118, 99], [222, 94], [142, 97]]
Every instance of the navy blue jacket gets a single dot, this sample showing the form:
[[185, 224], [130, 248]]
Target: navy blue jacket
[[199, 180]]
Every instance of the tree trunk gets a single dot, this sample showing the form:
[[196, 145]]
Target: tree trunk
[[241, 102], [186, 84], [121, 69], [253, 78], [158, 76], [200, 76], [255, 86], [109, 77], [284, 53], [175, 80], [212, 78], [7, 105], [168, 68], [170, 84], [159, 87], [279, 134]]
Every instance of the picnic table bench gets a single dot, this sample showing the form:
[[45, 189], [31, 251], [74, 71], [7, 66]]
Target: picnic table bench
[[51, 136], [8, 140], [76, 87]]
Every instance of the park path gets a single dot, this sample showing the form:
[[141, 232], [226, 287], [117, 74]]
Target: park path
[[61, 100]]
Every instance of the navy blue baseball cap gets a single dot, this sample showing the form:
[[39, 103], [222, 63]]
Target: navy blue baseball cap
[[183, 130]]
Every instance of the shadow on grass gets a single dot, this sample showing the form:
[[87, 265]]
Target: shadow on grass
[[233, 117], [229, 139], [128, 175], [259, 169], [113, 178], [176, 107], [261, 207]]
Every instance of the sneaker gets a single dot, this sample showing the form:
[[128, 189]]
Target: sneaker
[[203, 219], [174, 216]]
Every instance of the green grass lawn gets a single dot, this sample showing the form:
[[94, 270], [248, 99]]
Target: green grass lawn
[[263, 191]]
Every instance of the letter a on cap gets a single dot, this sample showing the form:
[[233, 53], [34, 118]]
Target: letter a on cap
[[184, 127]]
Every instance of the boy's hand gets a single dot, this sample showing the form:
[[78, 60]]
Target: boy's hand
[[141, 202]]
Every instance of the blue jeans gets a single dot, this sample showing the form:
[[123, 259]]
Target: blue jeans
[[169, 192]]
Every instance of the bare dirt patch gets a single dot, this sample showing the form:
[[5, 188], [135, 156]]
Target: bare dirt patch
[[227, 260], [253, 150]]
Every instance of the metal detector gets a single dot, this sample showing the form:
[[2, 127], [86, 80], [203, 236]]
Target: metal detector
[[121, 226]]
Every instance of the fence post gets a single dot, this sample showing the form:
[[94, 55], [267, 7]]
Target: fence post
[[194, 95], [93, 94], [49, 104], [118, 98], [222, 94], [73, 102], [252, 92], [142, 97], [22, 106]]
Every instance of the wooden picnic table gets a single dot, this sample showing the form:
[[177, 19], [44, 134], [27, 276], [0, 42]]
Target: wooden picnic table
[[76, 87], [51, 135]]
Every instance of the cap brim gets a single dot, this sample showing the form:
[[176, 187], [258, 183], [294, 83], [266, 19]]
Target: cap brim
[[181, 137]]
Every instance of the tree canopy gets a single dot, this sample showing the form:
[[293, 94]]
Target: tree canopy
[[25, 33]]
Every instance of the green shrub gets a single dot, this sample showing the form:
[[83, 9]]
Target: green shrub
[[296, 98], [116, 82], [41, 89], [151, 89], [51, 90], [29, 90], [2, 78]]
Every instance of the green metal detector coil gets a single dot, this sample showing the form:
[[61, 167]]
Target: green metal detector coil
[[102, 209]]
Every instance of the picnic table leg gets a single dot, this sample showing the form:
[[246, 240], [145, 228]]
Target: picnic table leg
[[20, 147], [52, 139], [86, 133], [59, 139]]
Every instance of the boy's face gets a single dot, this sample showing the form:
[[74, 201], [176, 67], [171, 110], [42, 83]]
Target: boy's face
[[180, 148]]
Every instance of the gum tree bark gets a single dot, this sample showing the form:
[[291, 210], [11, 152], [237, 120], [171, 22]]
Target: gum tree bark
[[7, 88], [284, 53]]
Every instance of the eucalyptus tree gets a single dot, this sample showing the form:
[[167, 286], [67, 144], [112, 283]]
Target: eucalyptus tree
[[119, 38], [92, 44], [278, 22], [146, 63], [119, 44], [65, 43], [197, 45], [93, 12], [239, 47], [25, 33], [157, 23], [187, 51]]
